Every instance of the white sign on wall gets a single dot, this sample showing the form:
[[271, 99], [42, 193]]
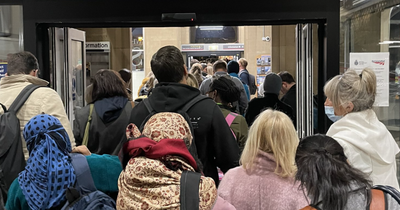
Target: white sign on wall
[[379, 63], [97, 45]]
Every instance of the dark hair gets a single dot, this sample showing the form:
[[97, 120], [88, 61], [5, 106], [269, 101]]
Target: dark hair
[[21, 63], [286, 77], [324, 173], [167, 64], [106, 84], [219, 64], [233, 67], [226, 88], [125, 75]]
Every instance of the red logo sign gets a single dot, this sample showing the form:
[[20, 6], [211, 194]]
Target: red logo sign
[[379, 62]]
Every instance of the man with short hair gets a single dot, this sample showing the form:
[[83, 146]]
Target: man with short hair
[[220, 70], [246, 77], [23, 70], [216, 146], [289, 90]]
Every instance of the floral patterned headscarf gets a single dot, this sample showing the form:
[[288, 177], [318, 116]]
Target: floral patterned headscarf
[[148, 183]]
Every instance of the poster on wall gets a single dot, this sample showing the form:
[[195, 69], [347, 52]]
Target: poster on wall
[[263, 64], [379, 63], [3, 69], [260, 80]]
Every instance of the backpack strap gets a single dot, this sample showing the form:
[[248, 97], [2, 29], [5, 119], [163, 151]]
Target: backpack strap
[[87, 127], [192, 102], [148, 106], [22, 97], [230, 118], [151, 111], [378, 200], [84, 181], [189, 190]]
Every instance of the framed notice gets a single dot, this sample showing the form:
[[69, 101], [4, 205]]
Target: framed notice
[[379, 63]]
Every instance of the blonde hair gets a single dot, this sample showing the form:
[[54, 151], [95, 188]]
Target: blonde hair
[[359, 89], [243, 62], [192, 81], [210, 70], [196, 71], [272, 132]]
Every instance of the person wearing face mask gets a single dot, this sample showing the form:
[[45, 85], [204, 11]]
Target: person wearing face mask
[[330, 112], [367, 143]]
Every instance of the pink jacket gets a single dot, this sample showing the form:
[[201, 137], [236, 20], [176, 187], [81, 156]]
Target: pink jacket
[[262, 188]]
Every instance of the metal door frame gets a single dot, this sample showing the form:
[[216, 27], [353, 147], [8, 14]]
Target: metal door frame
[[304, 80], [60, 41]]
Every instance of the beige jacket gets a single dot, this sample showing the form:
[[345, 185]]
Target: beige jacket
[[42, 100]]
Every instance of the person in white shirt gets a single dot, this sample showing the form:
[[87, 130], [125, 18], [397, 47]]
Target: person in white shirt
[[367, 143]]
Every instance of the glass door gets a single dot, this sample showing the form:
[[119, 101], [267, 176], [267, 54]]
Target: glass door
[[68, 75]]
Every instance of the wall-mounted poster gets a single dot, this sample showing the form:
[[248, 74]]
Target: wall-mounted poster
[[379, 63], [263, 64], [260, 80], [3, 69]]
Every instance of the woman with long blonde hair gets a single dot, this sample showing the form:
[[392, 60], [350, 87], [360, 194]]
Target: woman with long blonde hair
[[265, 179]]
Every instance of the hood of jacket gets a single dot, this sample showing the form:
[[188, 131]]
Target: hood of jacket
[[365, 132], [171, 96], [109, 109], [264, 163], [234, 75]]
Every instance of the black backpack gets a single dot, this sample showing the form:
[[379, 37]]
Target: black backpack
[[252, 83], [12, 159], [183, 112]]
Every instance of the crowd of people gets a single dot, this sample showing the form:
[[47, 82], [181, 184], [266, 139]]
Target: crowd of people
[[193, 139]]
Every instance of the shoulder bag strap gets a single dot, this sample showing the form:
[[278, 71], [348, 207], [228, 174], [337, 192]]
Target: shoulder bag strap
[[189, 190], [22, 97], [87, 128], [378, 200]]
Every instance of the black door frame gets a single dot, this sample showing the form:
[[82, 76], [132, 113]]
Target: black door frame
[[39, 15]]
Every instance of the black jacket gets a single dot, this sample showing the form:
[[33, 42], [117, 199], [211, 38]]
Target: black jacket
[[290, 99], [107, 131], [257, 105], [215, 143]]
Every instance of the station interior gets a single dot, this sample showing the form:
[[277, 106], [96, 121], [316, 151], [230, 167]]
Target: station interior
[[365, 26]]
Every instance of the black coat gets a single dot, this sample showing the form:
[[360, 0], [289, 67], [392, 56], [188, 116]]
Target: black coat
[[107, 131], [216, 146], [257, 105], [290, 99]]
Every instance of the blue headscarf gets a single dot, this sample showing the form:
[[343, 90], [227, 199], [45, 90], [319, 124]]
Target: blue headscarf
[[49, 172]]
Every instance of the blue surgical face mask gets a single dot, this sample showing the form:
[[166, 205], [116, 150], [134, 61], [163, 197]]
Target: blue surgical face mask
[[331, 114]]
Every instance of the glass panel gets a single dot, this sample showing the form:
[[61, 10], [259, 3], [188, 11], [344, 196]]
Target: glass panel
[[375, 27], [77, 74], [11, 34], [214, 34]]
